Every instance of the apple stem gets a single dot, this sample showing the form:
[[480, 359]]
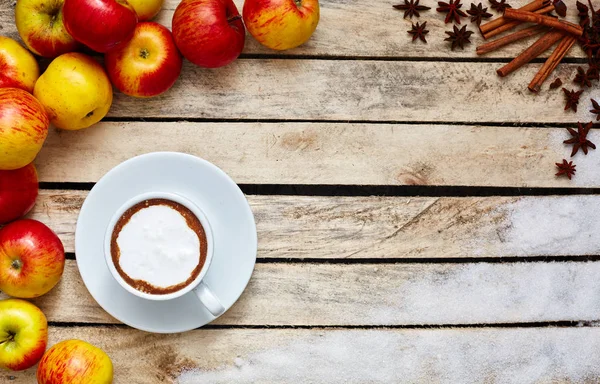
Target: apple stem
[[234, 18], [298, 3], [11, 337], [16, 264]]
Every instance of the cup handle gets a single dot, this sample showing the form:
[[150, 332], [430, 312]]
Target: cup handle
[[209, 300]]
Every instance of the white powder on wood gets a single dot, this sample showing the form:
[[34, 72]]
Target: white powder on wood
[[549, 226], [537, 355]]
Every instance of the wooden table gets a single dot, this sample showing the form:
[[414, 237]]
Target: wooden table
[[410, 225]]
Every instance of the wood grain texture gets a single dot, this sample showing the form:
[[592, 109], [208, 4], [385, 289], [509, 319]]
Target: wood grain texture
[[383, 294], [355, 28], [323, 153], [358, 90], [535, 355], [317, 227]]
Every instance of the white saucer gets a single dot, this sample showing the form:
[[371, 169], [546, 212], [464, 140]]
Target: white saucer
[[232, 222]]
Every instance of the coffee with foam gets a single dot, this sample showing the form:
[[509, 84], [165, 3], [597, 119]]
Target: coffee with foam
[[158, 246]]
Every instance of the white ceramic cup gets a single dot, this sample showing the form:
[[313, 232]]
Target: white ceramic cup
[[202, 291]]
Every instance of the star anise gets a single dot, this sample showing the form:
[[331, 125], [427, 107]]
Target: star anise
[[572, 99], [453, 10], [596, 109], [560, 7], [418, 32], [589, 44], [593, 73], [411, 8], [584, 18], [582, 78], [499, 5], [556, 83], [478, 13], [459, 37], [566, 168], [579, 139]]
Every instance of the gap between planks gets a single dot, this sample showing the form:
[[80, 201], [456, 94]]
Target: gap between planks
[[370, 190]]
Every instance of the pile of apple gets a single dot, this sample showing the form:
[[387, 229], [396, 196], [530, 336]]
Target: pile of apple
[[32, 260], [141, 59]]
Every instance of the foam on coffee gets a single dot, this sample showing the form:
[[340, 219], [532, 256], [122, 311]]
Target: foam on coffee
[[158, 246]]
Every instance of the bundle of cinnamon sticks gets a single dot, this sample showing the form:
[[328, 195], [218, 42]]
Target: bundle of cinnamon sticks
[[553, 29]]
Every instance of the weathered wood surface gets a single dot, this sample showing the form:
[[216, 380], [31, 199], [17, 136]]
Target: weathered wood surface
[[323, 153], [317, 227], [357, 28], [359, 90], [466, 356], [384, 294]]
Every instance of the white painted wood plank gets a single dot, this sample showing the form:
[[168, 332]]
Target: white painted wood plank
[[323, 153], [323, 227], [359, 90], [466, 356], [385, 294]]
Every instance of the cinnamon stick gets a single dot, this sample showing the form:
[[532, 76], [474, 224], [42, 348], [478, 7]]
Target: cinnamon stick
[[511, 24], [530, 17], [555, 58], [536, 49], [508, 39], [500, 21]]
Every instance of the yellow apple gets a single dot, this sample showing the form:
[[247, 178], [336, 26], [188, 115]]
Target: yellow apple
[[23, 128], [40, 24], [146, 9], [75, 362], [23, 334], [281, 24], [18, 68], [75, 91]]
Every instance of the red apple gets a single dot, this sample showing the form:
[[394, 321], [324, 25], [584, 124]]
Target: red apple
[[32, 259], [41, 27], [18, 191], [209, 33], [23, 334], [147, 65], [99, 24], [23, 128], [281, 24], [18, 68], [75, 362]]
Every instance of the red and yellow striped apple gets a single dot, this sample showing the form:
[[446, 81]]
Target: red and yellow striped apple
[[40, 25], [75, 362], [147, 65], [209, 33], [23, 128], [32, 259], [99, 24], [281, 24], [23, 334], [75, 90], [18, 191], [146, 9], [18, 68]]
